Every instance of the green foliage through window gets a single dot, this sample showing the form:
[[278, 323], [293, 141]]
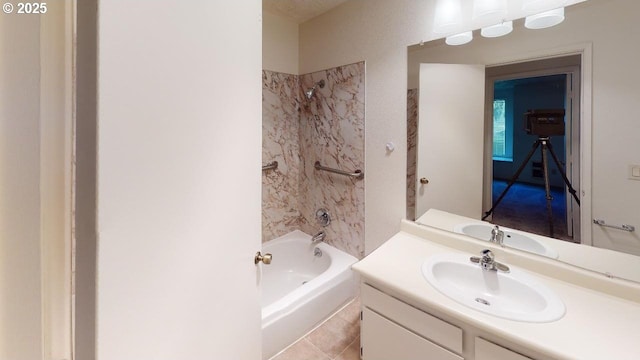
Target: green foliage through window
[[500, 150]]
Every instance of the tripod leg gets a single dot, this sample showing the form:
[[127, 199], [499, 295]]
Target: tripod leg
[[572, 191], [513, 179], [547, 187]]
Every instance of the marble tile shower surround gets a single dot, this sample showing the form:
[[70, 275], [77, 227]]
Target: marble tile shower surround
[[297, 132], [412, 136], [332, 132], [280, 132]]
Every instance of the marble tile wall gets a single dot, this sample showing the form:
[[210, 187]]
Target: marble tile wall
[[332, 132], [280, 142], [412, 135], [297, 132]]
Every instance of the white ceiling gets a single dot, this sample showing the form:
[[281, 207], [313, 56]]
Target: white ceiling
[[299, 10]]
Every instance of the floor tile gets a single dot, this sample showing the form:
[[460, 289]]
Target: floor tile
[[351, 312], [302, 350], [352, 352], [334, 336]]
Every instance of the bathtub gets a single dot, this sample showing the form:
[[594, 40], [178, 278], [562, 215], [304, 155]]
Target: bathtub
[[300, 289]]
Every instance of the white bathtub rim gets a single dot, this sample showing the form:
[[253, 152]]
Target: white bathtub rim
[[334, 313], [296, 298], [287, 306]]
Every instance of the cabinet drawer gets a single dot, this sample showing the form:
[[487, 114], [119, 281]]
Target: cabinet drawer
[[486, 350], [382, 339], [407, 316]]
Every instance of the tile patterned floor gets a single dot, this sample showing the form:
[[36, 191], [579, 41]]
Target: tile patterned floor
[[338, 338]]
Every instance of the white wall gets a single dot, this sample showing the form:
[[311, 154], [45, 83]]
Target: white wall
[[179, 158], [20, 269], [279, 44], [379, 32]]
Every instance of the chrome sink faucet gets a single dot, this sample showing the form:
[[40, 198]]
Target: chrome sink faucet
[[497, 236], [488, 263]]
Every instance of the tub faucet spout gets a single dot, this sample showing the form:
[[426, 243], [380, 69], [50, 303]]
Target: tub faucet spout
[[318, 237]]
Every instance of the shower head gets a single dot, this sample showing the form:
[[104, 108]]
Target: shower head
[[309, 93]]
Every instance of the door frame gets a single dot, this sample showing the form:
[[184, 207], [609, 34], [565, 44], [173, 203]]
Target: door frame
[[57, 174], [572, 135], [584, 129]]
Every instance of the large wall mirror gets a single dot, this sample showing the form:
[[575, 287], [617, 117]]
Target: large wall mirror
[[468, 138]]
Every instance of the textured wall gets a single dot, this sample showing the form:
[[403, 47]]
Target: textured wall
[[297, 132], [279, 43]]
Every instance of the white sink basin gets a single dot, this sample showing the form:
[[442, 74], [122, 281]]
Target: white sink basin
[[514, 295], [512, 238]]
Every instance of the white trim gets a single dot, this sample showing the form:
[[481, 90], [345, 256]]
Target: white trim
[[56, 177], [503, 159], [71, 45], [586, 144]]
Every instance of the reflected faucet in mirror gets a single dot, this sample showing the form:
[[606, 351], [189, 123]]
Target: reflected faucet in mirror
[[497, 236]]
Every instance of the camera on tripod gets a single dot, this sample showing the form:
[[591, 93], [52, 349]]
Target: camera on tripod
[[546, 122], [543, 123]]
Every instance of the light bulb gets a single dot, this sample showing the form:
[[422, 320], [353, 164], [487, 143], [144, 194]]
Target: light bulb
[[490, 10], [536, 6], [497, 30], [459, 39], [544, 20]]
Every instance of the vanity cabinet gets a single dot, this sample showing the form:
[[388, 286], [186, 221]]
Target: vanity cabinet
[[486, 350], [384, 339], [393, 329]]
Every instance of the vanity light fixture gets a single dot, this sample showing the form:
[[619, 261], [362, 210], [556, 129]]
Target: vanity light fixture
[[538, 6], [490, 10], [448, 16], [459, 39], [497, 30], [545, 20]]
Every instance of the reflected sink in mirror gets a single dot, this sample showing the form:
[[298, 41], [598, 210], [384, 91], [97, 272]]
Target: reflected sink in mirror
[[512, 238], [512, 295]]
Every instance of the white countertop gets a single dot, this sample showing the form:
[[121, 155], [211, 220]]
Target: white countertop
[[596, 325]]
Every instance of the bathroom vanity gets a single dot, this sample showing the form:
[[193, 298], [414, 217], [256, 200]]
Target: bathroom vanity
[[405, 317]]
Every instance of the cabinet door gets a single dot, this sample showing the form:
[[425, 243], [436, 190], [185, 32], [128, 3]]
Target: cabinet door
[[417, 321], [383, 339], [486, 350]]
